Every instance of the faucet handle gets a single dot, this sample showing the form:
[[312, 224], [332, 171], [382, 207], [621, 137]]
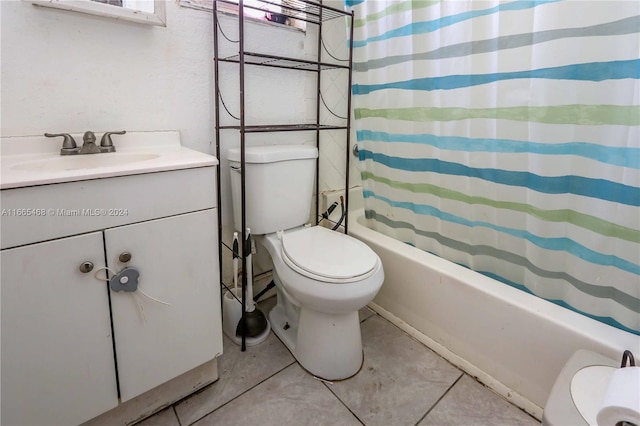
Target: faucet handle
[[106, 143], [68, 144]]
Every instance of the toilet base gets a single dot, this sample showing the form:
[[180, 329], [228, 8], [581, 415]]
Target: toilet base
[[328, 346]]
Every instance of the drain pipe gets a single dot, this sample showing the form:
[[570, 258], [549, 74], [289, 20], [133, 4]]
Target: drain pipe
[[341, 216]]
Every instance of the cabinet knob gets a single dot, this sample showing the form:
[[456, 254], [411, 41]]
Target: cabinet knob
[[86, 267], [124, 257]]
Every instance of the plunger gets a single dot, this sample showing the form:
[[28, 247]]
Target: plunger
[[254, 319], [236, 250]]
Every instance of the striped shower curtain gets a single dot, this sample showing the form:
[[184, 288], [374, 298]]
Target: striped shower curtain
[[505, 136]]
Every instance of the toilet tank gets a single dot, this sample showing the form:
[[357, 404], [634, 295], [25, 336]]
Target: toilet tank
[[278, 187]]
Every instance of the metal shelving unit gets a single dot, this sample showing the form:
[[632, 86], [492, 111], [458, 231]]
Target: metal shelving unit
[[311, 12], [252, 58]]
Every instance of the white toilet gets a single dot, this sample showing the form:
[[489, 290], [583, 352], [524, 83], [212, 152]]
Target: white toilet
[[322, 277], [579, 389]]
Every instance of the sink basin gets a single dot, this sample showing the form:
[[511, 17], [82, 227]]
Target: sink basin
[[33, 160], [79, 162]]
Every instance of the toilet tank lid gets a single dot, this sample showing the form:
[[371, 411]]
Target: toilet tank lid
[[274, 153]]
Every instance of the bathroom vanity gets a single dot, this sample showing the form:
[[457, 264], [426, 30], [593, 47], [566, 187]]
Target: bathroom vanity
[[74, 346]]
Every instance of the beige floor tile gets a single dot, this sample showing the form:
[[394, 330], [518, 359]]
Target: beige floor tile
[[470, 403], [365, 313], [267, 304], [400, 380], [291, 397], [239, 371], [166, 417]]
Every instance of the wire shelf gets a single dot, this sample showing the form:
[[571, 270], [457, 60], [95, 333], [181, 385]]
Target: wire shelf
[[265, 60], [312, 11], [285, 128], [304, 10]]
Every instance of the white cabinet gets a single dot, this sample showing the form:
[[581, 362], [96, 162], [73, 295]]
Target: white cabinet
[[59, 354], [178, 265], [57, 350]]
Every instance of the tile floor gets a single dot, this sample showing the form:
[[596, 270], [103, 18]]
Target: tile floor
[[402, 382]]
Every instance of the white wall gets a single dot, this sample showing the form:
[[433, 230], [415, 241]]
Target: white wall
[[70, 72], [332, 144]]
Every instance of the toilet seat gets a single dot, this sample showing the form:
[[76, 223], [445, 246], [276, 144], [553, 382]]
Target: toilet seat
[[328, 256], [318, 293]]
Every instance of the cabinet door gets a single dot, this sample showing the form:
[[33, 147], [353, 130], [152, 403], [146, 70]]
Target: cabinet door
[[57, 352], [178, 264]]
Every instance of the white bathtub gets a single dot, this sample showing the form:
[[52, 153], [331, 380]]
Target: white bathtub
[[511, 341]]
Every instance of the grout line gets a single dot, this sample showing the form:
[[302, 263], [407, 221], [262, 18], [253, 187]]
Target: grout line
[[175, 413], [415, 339], [440, 399], [343, 403], [373, 314], [513, 397], [242, 393], [487, 388], [366, 319]]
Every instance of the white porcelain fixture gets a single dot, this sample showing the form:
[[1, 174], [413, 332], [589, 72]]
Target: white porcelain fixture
[[74, 348], [36, 160], [477, 322], [78, 162], [322, 277], [579, 390]]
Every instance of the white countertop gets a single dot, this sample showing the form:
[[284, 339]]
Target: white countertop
[[36, 160]]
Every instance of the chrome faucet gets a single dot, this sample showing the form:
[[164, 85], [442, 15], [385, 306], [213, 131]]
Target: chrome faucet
[[69, 146], [89, 144]]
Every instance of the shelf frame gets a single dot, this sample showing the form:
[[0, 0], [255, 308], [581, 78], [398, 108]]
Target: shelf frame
[[283, 128], [313, 12], [272, 61]]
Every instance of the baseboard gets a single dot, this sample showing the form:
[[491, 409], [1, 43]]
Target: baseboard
[[158, 398], [512, 396]]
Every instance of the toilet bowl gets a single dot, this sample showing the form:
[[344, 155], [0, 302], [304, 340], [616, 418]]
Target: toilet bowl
[[579, 390], [323, 277]]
